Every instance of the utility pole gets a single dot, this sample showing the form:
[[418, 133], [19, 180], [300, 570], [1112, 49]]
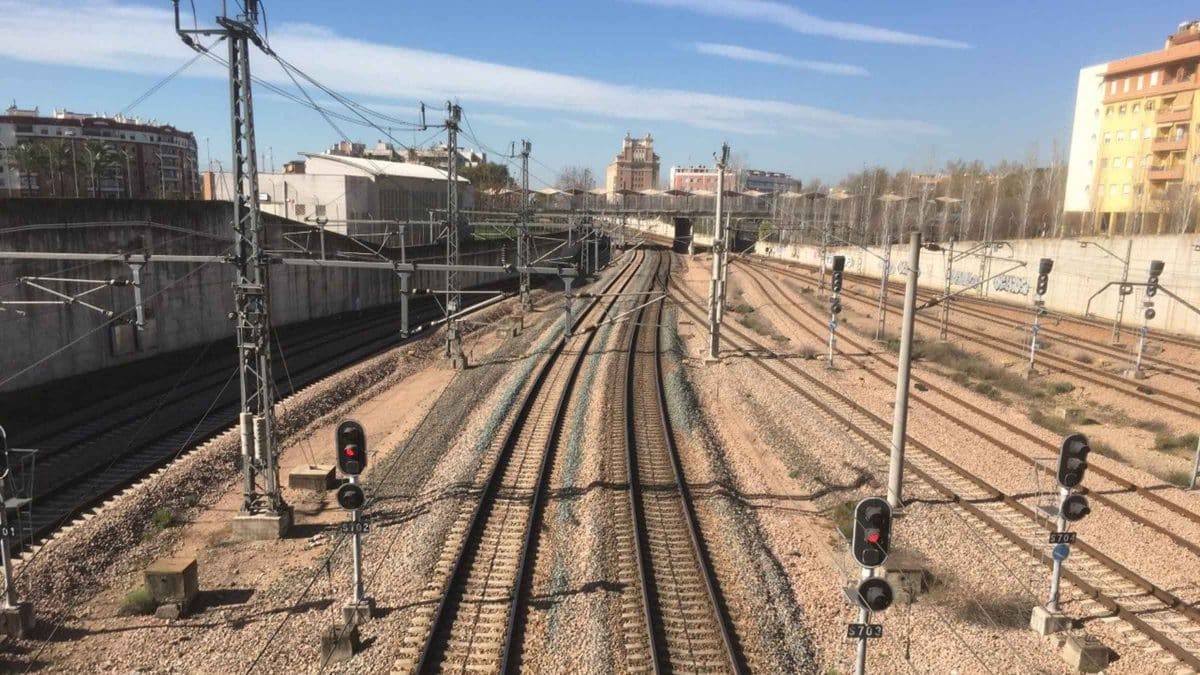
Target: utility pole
[[886, 235], [903, 368], [523, 239], [264, 514], [1116, 336], [718, 244], [453, 297]]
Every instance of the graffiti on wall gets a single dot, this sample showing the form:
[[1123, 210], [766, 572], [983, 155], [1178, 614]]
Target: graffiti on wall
[[1007, 283]]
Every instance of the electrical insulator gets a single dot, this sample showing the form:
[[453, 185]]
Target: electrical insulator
[[1072, 460], [872, 531], [351, 446]]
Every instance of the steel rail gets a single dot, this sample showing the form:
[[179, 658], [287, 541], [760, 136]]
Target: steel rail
[[659, 653], [431, 648], [1125, 485], [1169, 600]]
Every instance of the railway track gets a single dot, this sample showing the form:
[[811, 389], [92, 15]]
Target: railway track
[[1146, 607], [476, 593], [1000, 314], [1167, 400], [684, 622], [84, 465], [992, 305], [771, 288]]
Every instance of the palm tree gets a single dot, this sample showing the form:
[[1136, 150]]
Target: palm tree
[[53, 157], [25, 156], [98, 157]]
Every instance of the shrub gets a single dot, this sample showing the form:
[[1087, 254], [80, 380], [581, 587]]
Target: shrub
[[1055, 424], [163, 518], [843, 517], [1060, 387], [1168, 441], [987, 390], [808, 352], [137, 603], [1085, 358]]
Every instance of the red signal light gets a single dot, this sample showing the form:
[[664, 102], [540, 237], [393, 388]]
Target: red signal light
[[350, 451], [873, 537]]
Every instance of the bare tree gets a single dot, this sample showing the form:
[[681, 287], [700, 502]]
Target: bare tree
[[1029, 179], [575, 178]]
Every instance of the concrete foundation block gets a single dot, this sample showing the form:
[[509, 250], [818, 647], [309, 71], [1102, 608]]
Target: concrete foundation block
[[18, 621], [908, 574], [173, 581], [262, 527], [339, 643], [168, 611], [1085, 654], [357, 614], [312, 477], [514, 326], [458, 362], [1044, 622], [1135, 374]]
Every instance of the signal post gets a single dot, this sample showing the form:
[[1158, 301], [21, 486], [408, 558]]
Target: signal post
[[870, 544]]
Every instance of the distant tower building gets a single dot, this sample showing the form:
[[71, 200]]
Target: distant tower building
[[1134, 164], [634, 168]]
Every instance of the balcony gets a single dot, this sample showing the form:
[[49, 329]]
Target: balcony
[[1170, 144], [1166, 172], [1176, 114]]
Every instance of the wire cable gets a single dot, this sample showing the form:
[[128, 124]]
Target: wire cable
[[164, 81]]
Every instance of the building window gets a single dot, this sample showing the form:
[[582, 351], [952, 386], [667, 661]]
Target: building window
[[1108, 111], [1112, 87], [1146, 159], [1108, 137], [1148, 133], [1154, 78], [1137, 107], [1120, 135], [1122, 110], [1129, 162], [1150, 105], [1112, 189], [1103, 162], [1127, 189], [1126, 90], [1141, 83]]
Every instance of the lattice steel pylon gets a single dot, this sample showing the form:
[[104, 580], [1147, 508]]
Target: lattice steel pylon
[[251, 288], [453, 294], [523, 238]]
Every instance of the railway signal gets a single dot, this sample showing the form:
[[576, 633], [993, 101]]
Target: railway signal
[[1148, 313], [835, 304], [1072, 460], [869, 544], [351, 445], [1039, 309], [1075, 508], [872, 532], [350, 441], [1071, 508]]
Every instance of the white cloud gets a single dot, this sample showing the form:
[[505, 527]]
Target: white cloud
[[588, 126], [758, 56], [102, 35], [500, 120], [786, 16]]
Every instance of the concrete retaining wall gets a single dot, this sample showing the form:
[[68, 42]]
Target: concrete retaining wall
[[1079, 272], [189, 304]]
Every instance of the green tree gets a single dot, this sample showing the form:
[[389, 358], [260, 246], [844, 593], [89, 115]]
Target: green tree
[[25, 156], [487, 176], [98, 158]]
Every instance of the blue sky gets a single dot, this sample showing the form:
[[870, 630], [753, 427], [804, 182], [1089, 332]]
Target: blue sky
[[812, 88]]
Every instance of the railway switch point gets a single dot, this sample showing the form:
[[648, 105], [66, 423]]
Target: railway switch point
[[262, 526], [339, 644], [318, 477], [1044, 622], [358, 613], [173, 583], [1085, 653], [17, 621]]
